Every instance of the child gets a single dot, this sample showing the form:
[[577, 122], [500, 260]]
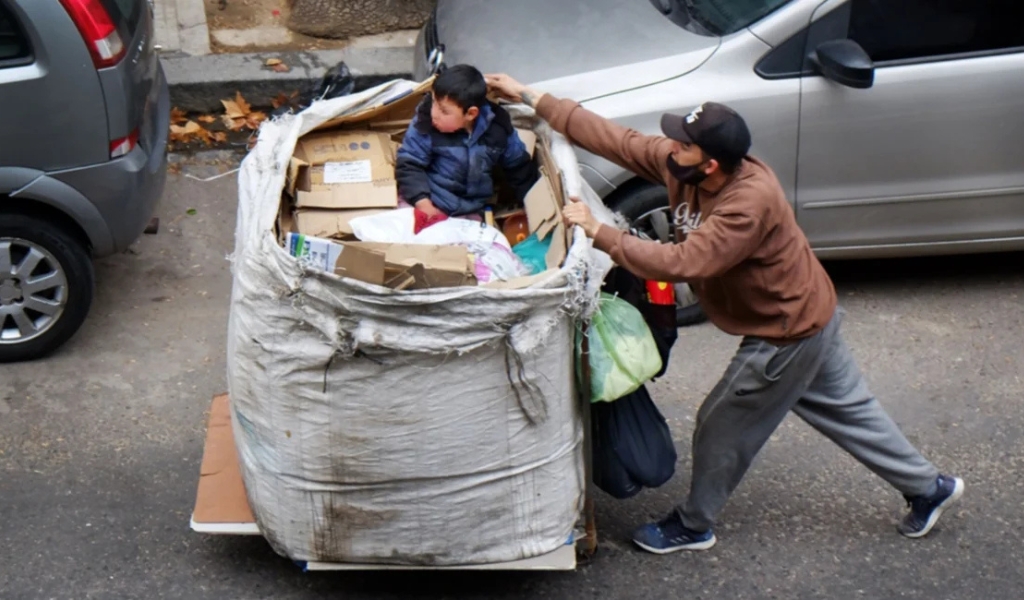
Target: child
[[452, 146]]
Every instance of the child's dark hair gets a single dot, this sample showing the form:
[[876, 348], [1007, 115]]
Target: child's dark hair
[[462, 84]]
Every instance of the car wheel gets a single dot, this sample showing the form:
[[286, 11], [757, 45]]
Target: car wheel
[[647, 211], [46, 287]]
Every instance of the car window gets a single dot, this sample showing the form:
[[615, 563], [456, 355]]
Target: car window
[[893, 30], [717, 17], [13, 45]]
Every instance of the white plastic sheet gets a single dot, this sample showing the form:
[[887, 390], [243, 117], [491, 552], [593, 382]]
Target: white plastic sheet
[[492, 253], [419, 427]]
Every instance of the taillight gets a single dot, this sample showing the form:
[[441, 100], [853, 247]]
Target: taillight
[[98, 30], [123, 146]]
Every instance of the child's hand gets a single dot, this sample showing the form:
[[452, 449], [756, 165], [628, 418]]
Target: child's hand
[[427, 207], [426, 214]]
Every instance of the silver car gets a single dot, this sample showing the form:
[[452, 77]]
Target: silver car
[[895, 126], [84, 111]]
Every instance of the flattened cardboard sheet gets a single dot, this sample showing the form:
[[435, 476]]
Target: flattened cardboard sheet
[[220, 497]]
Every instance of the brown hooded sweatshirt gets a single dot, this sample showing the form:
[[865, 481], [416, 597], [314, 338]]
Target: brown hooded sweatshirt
[[741, 250]]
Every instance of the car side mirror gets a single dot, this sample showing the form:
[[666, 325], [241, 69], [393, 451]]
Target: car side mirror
[[845, 62]]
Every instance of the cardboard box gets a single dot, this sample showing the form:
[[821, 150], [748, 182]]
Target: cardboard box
[[521, 282], [401, 266], [439, 266], [313, 252], [364, 264], [541, 210], [285, 222], [343, 169], [529, 140], [400, 106], [330, 223], [559, 248], [544, 213]]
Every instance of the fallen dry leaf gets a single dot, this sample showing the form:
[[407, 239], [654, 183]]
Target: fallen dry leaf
[[280, 101], [254, 119], [242, 104], [207, 119], [185, 133], [232, 110], [178, 116], [233, 124], [273, 62], [188, 129], [219, 136]]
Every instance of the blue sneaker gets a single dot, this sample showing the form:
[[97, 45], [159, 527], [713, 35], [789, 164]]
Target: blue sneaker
[[926, 510], [670, 535]]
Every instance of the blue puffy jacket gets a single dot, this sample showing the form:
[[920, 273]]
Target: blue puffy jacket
[[455, 169]]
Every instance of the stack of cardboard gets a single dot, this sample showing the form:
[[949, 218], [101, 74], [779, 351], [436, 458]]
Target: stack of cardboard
[[346, 169], [337, 176]]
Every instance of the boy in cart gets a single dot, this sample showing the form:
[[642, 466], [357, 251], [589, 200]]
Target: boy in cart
[[454, 143]]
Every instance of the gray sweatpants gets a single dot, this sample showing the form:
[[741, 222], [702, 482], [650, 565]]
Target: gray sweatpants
[[818, 379]]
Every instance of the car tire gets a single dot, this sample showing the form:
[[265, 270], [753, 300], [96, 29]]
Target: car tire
[[636, 206], [43, 267]]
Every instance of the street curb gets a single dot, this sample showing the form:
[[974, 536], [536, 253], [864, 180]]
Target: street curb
[[199, 83]]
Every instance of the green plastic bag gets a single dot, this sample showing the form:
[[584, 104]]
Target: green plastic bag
[[623, 355]]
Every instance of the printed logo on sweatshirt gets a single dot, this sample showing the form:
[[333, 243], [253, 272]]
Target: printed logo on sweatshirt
[[685, 220]]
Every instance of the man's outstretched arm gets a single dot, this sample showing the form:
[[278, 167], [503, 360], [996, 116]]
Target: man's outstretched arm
[[644, 155]]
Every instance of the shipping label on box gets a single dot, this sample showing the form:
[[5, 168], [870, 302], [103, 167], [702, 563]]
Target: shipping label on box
[[353, 171]]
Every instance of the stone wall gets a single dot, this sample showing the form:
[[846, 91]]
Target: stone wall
[[348, 18]]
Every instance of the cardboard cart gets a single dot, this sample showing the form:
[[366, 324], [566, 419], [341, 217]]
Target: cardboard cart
[[326, 436]]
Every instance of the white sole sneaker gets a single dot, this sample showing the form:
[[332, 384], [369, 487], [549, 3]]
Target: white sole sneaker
[[694, 546], [958, 490]]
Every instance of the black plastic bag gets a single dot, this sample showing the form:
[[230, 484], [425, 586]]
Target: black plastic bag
[[632, 447], [609, 474], [336, 82], [632, 443]]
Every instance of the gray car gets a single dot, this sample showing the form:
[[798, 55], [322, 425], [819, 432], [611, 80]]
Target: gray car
[[895, 126], [84, 111]]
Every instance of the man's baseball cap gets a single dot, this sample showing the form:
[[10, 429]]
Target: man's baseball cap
[[717, 129]]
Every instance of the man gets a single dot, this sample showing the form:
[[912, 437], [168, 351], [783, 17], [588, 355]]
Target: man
[[740, 249]]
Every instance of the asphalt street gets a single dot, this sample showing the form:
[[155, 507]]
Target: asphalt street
[[100, 447]]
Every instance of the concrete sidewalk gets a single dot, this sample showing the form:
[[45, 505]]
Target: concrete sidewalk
[[200, 79], [181, 27]]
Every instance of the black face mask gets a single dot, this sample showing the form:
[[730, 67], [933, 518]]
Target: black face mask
[[690, 174]]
